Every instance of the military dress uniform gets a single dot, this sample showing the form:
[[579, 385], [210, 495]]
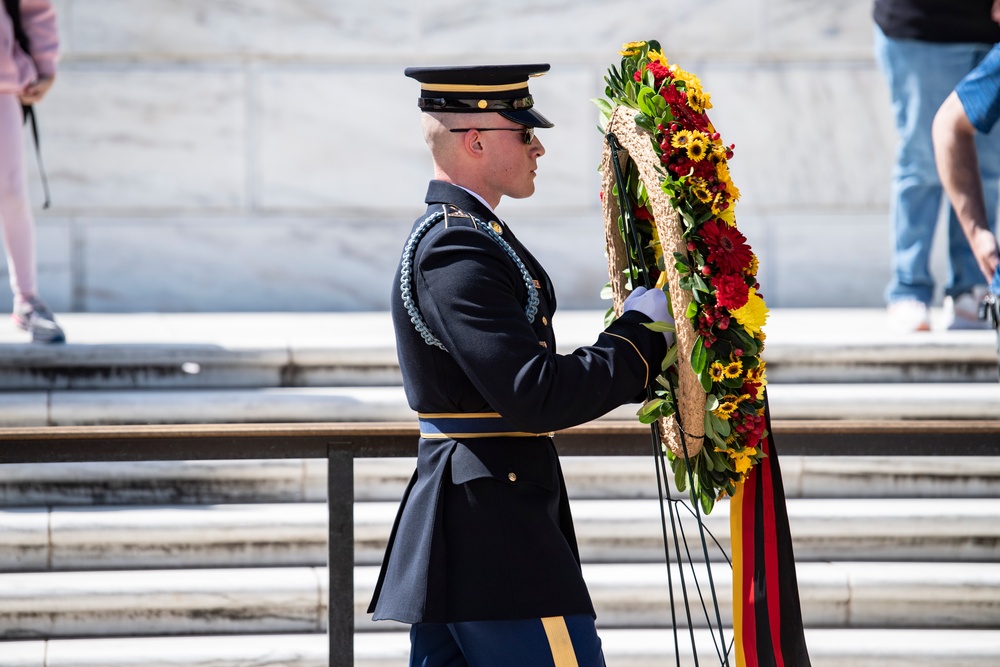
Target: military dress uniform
[[484, 531]]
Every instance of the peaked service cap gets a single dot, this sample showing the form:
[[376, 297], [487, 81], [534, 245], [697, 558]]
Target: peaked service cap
[[499, 89]]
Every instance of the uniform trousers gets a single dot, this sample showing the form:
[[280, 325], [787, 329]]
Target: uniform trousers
[[559, 641]]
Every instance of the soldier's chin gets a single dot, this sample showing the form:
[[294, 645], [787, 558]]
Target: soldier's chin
[[524, 193]]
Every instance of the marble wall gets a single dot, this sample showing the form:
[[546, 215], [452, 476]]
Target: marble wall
[[264, 155]]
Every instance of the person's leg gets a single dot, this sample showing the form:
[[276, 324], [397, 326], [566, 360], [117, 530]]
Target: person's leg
[[558, 641], [29, 313], [920, 76], [15, 211], [432, 645]]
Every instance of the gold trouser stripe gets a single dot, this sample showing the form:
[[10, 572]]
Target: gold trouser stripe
[[563, 654], [472, 88]]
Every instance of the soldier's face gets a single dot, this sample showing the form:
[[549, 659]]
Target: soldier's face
[[514, 162]]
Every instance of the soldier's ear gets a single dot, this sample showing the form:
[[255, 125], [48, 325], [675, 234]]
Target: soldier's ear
[[473, 143]]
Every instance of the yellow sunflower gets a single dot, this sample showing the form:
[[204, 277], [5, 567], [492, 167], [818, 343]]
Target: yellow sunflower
[[699, 188], [733, 369], [656, 56], [727, 406], [741, 460], [699, 100], [697, 147], [682, 139], [716, 371], [631, 49]]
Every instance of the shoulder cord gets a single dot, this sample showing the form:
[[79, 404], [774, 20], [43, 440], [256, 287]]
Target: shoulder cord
[[406, 274]]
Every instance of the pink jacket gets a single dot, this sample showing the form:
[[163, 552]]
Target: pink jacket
[[18, 69]]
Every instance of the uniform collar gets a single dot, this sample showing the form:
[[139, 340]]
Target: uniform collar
[[442, 192]]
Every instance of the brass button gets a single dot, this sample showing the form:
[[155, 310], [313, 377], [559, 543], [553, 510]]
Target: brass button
[[496, 227], [512, 477], [545, 321], [483, 104]]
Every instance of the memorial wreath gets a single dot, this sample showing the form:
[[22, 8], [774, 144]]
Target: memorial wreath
[[680, 197]]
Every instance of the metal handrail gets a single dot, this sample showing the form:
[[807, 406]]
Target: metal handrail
[[340, 443]]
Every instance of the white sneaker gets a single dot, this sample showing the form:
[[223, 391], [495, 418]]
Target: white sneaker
[[962, 312], [909, 315]]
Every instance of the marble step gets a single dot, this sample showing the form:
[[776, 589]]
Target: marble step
[[387, 403], [266, 600], [608, 531], [622, 648], [304, 480], [220, 350]]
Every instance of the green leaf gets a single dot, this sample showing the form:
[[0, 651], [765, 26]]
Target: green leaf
[[691, 311], [645, 122], [700, 283], [606, 292], [650, 410], [680, 474], [709, 430], [603, 105], [711, 403], [698, 355], [659, 105], [706, 381], [662, 327], [670, 359], [709, 461], [708, 500], [645, 105], [720, 426]]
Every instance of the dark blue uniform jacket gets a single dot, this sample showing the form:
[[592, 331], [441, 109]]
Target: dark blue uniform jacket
[[471, 541]]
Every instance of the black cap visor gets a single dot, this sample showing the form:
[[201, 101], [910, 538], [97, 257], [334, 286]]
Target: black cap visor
[[528, 117]]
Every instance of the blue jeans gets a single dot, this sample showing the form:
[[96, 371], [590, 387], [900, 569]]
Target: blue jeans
[[920, 76]]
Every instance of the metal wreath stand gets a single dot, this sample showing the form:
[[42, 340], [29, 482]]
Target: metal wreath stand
[[688, 396]]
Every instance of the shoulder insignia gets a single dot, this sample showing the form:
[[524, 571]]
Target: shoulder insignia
[[451, 211]]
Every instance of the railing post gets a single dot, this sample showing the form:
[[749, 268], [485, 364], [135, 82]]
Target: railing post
[[340, 554]]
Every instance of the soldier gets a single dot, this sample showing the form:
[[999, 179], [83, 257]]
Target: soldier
[[483, 560]]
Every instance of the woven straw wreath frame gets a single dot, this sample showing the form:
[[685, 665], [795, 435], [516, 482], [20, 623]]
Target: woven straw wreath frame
[[691, 396]]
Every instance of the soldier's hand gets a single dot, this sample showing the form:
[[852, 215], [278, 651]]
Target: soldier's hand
[[651, 303]]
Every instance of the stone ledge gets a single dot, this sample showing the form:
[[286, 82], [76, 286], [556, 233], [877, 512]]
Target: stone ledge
[[219, 350], [353, 404], [609, 531], [304, 480], [256, 600]]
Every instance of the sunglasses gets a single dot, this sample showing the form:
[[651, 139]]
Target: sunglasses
[[527, 133]]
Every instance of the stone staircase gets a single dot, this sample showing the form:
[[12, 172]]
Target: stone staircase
[[168, 559], [223, 563]]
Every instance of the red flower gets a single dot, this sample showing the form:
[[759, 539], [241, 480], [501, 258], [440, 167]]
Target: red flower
[[659, 71], [727, 247], [671, 95], [730, 290], [642, 213]]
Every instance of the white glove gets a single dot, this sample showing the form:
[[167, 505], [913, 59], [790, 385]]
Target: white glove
[[653, 304]]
